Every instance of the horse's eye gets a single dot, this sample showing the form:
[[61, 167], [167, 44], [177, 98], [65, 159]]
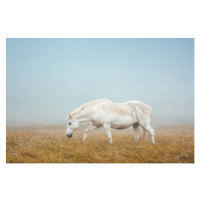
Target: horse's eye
[[70, 123]]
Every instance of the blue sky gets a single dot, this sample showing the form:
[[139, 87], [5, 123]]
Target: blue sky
[[48, 78]]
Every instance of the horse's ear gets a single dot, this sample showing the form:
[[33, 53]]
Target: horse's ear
[[70, 116]]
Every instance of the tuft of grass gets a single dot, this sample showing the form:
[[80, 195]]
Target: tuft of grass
[[174, 144]]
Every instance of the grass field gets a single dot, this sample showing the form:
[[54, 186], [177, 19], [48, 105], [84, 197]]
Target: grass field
[[49, 144]]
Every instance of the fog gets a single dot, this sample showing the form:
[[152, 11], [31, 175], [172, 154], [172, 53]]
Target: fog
[[49, 78]]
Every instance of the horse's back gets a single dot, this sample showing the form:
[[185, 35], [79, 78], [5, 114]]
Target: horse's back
[[119, 115]]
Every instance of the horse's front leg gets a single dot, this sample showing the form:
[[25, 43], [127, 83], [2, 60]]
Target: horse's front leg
[[88, 129], [107, 127]]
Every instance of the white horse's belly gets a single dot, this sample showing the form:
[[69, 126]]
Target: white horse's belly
[[122, 122]]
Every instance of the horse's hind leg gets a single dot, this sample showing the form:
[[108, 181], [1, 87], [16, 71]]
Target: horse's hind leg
[[136, 131], [146, 126], [144, 134], [107, 127], [151, 131], [88, 129]]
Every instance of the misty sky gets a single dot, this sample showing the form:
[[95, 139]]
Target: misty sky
[[48, 78]]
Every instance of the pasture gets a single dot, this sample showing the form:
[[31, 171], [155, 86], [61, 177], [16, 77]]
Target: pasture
[[49, 144]]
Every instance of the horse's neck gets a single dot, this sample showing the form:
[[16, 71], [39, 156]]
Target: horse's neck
[[79, 115], [83, 119]]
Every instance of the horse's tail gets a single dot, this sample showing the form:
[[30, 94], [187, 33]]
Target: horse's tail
[[150, 112]]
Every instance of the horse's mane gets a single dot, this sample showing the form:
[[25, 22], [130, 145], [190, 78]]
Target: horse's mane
[[82, 107]]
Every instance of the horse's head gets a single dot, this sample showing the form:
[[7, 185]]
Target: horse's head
[[72, 125]]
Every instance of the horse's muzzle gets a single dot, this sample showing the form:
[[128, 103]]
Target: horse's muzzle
[[69, 135]]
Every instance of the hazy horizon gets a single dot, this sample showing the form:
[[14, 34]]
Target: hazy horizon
[[48, 78]]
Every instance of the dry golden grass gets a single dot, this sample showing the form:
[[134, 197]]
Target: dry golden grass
[[174, 144]]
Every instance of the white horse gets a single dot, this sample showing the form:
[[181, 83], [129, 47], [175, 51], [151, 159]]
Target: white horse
[[107, 114]]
